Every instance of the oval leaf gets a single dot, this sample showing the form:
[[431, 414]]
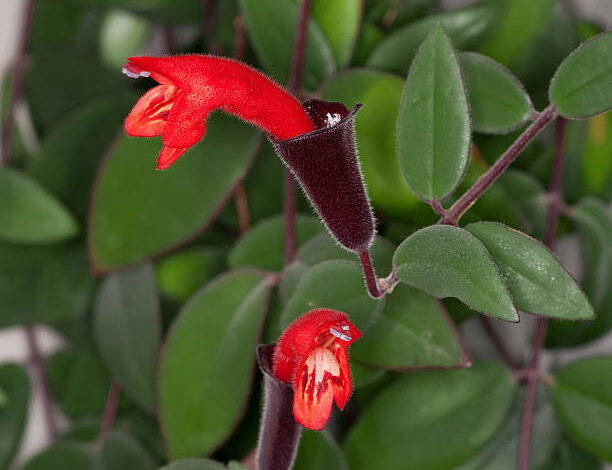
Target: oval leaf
[[127, 331], [433, 124], [29, 214], [138, 212], [207, 364], [447, 261], [119, 451], [15, 384], [319, 451], [537, 281], [62, 456], [414, 331], [582, 85], [584, 403], [404, 426], [498, 101], [339, 22]]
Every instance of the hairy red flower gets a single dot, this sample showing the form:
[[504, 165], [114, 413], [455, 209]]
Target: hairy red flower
[[192, 86], [311, 355]]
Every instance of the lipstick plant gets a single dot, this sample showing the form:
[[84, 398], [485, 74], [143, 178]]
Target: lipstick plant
[[359, 202]]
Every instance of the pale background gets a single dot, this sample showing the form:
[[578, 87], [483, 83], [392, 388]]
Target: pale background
[[12, 341]]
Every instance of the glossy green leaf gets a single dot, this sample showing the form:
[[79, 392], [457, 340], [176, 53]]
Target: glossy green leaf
[[433, 124], [447, 261], [16, 385], [263, 246], [207, 363], [537, 281], [62, 456], [29, 214], [339, 22], [414, 331], [138, 212], [333, 284], [271, 25], [319, 451], [69, 156], [119, 451], [127, 331], [180, 275], [582, 86], [583, 399], [375, 127], [498, 101], [122, 35], [419, 422], [194, 464], [467, 27]]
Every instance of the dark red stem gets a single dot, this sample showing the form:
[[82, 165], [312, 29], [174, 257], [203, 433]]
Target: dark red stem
[[38, 361], [498, 342], [110, 411], [370, 276], [8, 126], [540, 332], [453, 215]]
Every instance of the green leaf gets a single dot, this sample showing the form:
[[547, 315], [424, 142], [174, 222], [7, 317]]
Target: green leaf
[[498, 101], [263, 246], [319, 451], [271, 25], [138, 212], [16, 385], [583, 400], [447, 261], [420, 421], [62, 456], [568, 456], [528, 194], [339, 22], [333, 284], [414, 331], [119, 451], [127, 331], [582, 85], [180, 275], [537, 281], [207, 364], [3, 398], [70, 155], [234, 465], [433, 124], [466, 27], [122, 35], [29, 214], [194, 464], [375, 127]]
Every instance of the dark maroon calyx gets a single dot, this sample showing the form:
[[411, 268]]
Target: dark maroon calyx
[[325, 113]]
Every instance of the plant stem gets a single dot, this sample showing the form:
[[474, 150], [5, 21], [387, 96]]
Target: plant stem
[[295, 84], [38, 362], [8, 126], [370, 275], [110, 411], [497, 340], [485, 181], [540, 332]]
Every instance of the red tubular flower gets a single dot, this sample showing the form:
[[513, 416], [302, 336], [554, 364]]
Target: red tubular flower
[[192, 86], [311, 355]]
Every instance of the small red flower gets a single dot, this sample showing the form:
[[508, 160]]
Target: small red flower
[[192, 86], [311, 355]]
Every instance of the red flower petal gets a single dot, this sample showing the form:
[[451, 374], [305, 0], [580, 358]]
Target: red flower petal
[[149, 116], [187, 120], [342, 388], [168, 156]]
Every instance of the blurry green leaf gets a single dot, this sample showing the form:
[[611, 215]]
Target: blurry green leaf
[[263, 245], [271, 25], [362, 375], [119, 451], [290, 279], [375, 127], [3, 398], [78, 381], [145, 428], [582, 86], [333, 284], [127, 331], [537, 281], [420, 421], [369, 37], [137, 212], [44, 284], [180, 275], [498, 101], [70, 155], [319, 451], [528, 194], [596, 164], [413, 332], [207, 363], [516, 31], [29, 214], [234, 465], [62, 456], [194, 464], [16, 385], [583, 399], [339, 22], [467, 27], [123, 34], [447, 261], [568, 456], [433, 125]]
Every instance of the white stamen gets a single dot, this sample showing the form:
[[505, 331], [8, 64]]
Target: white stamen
[[340, 335], [129, 73], [145, 74], [346, 327], [332, 119]]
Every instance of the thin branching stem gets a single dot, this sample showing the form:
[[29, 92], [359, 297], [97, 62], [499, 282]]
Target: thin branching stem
[[499, 343], [110, 411], [370, 275]]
